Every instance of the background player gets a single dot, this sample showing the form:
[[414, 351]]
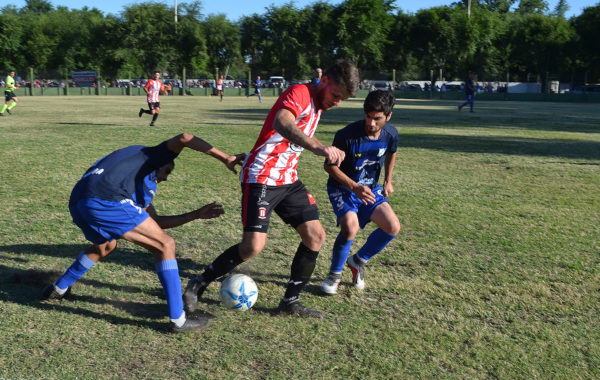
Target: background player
[[220, 84], [257, 86], [469, 92], [10, 97], [270, 183], [113, 200], [153, 88], [354, 190]]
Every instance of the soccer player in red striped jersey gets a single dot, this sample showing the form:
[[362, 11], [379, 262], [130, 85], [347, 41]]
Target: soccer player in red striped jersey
[[270, 183], [154, 87]]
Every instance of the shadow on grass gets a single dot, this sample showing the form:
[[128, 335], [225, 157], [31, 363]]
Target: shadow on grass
[[24, 287], [139, 259], [503, 145]]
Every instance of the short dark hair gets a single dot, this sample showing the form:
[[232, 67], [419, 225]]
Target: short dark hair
[[379, 101], [345, 75]]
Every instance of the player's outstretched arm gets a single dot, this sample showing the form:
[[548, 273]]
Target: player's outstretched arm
[[284, 124], [209, 211], [363, 193], [187, 140]]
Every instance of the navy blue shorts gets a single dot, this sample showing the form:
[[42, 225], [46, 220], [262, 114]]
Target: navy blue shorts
[[344, 201], [102, 221]]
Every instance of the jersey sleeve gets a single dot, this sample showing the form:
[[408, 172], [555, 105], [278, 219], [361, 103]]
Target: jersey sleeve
[[148, 84], [393, 143], [296, 99]]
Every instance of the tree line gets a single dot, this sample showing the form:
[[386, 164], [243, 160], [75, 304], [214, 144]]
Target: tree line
[[517, 40]]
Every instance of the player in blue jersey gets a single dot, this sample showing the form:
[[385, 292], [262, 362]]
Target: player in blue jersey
[[354, 190], [113, 201], [257, 87], [469, 92]]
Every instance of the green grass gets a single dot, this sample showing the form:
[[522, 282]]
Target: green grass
[[495, 273]]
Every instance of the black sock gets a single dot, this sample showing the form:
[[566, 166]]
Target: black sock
[[148, 112], [303, 266], [223, 264], [154, 117]]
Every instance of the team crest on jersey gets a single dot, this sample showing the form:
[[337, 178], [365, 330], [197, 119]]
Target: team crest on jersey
[[262, 213], [311, 199], [296, 148]]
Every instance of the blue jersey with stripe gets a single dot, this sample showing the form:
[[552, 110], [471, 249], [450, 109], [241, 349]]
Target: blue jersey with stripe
[[364, 156], [124, 174]]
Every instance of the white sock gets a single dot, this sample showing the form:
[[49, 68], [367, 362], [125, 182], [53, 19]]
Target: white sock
[[59, 290], [179, 321]]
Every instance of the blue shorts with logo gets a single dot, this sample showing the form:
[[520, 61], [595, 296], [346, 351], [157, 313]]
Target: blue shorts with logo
[[344, 201], [102, 221]]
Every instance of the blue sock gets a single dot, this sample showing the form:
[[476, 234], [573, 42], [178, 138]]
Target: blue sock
[[376, 242], [79, 267], [168, 274], [341, 249]]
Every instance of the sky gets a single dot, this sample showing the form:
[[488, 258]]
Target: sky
[[234, 9]]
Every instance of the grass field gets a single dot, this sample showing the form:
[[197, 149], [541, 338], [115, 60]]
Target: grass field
[[495, 274]]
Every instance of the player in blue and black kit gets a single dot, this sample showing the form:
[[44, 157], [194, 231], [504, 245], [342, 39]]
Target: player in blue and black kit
[[469, 92], [257, 87], [113, 201], [354, 190]]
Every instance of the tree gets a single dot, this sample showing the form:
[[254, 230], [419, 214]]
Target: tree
[[363, 27], [149, 37], [283, 52], [538, 41], [527, 7], [586, 47], [319, 36], [222, 42]]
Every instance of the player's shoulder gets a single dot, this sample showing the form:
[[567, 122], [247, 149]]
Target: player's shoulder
[[388, 128], [351, 130]]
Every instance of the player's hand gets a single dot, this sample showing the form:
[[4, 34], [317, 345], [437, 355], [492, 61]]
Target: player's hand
[[210, 211], [388, 189], [333, 155], [365, 194], [232, 161]]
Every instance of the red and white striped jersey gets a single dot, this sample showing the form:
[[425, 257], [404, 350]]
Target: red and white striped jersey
[[154, 88], [273, 159]]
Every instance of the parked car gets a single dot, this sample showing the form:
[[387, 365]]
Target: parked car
[[381, 85]]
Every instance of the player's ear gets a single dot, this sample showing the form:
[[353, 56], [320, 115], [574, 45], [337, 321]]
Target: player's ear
[[388, 117]]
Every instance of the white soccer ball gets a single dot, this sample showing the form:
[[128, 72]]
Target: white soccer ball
[[239, 292]]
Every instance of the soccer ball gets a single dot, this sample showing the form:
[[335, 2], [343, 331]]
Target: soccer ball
[[239, 292]]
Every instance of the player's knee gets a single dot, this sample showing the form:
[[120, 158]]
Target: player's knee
[[249, 250], [316, 239], [393, 227], [349, 231]]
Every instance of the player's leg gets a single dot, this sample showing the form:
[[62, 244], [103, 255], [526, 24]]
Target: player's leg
[[155, 112], [299, 210], [149, 235], [389, 227], [256, 224], [84, 262], [471, 102], [252, 244], [12, 105], [6, 103], [341, 250]]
